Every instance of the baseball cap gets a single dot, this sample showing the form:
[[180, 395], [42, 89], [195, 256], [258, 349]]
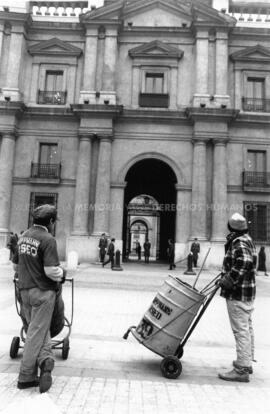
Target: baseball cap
[[238, 222]]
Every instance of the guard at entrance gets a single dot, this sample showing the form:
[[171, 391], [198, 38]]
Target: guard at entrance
[[103, 243], [171, 253], [195, 250], [138, 250], [147, 247]]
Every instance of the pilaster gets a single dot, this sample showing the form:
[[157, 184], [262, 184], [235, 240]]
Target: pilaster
[[103, 198], [82, 191], [109, 67], [117, 209], [88, 92], [6, 175], [221, 94], [202, 64], [198, 202], [219, 195]]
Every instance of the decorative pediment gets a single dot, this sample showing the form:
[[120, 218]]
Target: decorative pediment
[[54, 47], [157, 13], [255, 53], [155, 49]]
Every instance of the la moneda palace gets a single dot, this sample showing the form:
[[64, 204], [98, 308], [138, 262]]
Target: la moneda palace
[[138, 119]]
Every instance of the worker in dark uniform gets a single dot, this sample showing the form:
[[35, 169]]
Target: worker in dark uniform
[[39, 275]]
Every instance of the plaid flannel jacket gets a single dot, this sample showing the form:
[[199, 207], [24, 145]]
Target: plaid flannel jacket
[[239, 268]]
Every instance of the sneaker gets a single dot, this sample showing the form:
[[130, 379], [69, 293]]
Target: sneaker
[[240, 376], [28, 384], [249, 369], [45, 380]]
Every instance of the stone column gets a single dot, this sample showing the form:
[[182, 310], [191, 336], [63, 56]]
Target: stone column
[[202, 62], [117, 210], [222, 63], [198, 203], [135, 86], [182, 214], [6, 175], [1, 38], [90, 59], [102, 202], [82, 191], [219, 210], [14, 58], [34, 83], [110, 56], [100, 58], [173, 89]]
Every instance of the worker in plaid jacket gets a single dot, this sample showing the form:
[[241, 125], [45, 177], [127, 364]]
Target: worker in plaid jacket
[[238, 286]]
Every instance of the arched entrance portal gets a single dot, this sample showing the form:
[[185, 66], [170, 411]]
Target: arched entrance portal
[[155, 179]]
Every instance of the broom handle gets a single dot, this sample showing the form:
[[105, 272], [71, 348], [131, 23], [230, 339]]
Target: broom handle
[[196, 280]]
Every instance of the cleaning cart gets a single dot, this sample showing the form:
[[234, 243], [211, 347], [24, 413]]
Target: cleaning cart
[[170, 320], [61, 339]]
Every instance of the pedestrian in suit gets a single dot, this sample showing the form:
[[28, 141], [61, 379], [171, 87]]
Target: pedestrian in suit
[[110, 253], [171, 252], [262, 261], [195, 250], [147, 247], [138, 250], [103, 244]]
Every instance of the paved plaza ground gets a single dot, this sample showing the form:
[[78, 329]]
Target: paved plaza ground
[[104, 374]]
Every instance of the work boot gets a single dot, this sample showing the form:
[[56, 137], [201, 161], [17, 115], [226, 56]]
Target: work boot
[[235, 375], [237, 366], [28, 384], [45, 380]]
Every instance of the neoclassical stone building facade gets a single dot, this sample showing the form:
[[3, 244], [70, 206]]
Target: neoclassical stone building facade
[[140, 119]]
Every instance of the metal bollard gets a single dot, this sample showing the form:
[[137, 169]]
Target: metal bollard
[[189, 270], [117, 265]]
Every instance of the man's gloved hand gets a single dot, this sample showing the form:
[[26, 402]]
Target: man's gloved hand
[[226, 282], [64, 275]]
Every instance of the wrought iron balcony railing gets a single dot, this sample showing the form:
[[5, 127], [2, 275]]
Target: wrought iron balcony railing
[[45, 171], [256, 104], [52, 97], [256, 179], [154, 100]]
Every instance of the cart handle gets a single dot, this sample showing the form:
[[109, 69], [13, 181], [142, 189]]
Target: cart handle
[[71, 280]]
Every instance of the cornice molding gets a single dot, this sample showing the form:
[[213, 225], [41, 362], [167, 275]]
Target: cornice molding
[[214, 114], [108, 111]]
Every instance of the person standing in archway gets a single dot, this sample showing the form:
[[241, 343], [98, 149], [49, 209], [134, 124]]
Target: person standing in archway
[[171, 253], [103, 243], [138, 249], [195, 250], [147, 247]]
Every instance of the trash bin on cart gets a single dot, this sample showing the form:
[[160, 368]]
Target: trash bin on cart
[[170, 320]]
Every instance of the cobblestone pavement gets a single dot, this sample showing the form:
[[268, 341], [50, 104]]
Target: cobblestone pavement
[[105, 374]]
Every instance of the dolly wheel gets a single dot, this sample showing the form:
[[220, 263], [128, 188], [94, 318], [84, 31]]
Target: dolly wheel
[[14, 347], [171, 367], [65, 349]]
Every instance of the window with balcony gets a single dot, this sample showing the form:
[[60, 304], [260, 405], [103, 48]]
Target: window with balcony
[[258, 217], [153, 94], [53, 93], [255, 101], [37, 199], [48, 165], [255, 175]]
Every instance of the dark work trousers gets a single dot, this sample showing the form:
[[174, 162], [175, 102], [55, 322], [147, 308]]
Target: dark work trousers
[[111, 259]]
